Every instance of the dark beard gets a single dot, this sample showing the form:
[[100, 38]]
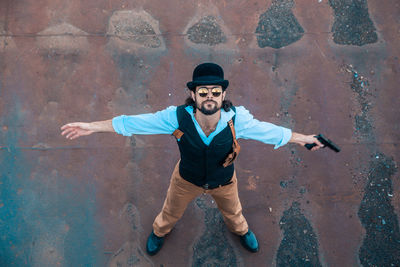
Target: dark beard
[[208, 111]]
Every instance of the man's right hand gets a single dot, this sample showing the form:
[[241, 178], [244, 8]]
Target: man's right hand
[[76, 129]]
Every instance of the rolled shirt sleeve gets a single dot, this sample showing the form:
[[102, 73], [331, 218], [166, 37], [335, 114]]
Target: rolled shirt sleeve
[[247, 127], [161, 122]]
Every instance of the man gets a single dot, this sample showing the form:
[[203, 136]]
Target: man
[[206, 128]]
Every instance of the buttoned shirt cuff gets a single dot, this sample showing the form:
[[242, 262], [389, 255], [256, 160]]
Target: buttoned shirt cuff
[[286, 135], [118, 125]]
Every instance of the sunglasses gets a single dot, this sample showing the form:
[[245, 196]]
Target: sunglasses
[[216, 91]]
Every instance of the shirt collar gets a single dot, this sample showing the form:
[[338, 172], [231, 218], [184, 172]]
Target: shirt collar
[[222, 123]]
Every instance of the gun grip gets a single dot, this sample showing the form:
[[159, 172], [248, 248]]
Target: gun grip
[[309, 146]]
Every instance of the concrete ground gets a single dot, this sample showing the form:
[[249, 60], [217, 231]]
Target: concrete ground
[[315, 66]]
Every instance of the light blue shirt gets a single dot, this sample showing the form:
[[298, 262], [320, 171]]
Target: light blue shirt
[[166, 122]]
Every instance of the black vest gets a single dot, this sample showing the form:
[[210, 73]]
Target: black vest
[[201, 164]]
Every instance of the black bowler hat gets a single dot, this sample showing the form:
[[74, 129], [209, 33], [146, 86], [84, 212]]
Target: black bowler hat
[[208, 74]]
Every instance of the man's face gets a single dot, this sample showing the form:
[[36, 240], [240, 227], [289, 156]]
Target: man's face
[[208, 98]]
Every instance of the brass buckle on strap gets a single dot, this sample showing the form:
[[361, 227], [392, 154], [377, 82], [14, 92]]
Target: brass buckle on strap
[[178, 134]]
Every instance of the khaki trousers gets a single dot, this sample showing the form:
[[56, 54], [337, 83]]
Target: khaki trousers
[[181, 193]]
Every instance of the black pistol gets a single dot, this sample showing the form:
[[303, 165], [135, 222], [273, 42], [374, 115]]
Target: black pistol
[[325, 141]]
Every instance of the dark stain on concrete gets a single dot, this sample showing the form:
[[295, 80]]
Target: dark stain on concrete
[[206, 31], [53, 57], [291, 183], [363, 121], [299, 246], [381, 245], [130, 254], [278, 27], [284, 184], [287, 100], [352, 25], [133, 216], [289, 90], [138, 31], [133, 260], [132, 69], [363, 125], [213, 248], [62, 39], [58, 66]]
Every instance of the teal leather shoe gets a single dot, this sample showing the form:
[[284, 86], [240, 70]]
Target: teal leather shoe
[[154, 244], [249, 241]]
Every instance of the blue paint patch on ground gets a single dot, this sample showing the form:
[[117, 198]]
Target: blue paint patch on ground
[[45, 220], [13, 226]]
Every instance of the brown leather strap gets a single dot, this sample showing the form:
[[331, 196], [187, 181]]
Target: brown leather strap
[[232, 129], [178, 134], [235, 147], [235, 142]]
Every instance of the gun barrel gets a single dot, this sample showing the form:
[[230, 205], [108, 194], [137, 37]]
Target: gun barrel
[[325, 141]]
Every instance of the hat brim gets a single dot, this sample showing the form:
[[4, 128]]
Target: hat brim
[[192, 85]]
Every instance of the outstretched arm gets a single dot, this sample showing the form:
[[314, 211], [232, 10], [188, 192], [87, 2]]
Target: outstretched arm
[[161, 122], [249, 128], [302, 139], [76, 129]]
